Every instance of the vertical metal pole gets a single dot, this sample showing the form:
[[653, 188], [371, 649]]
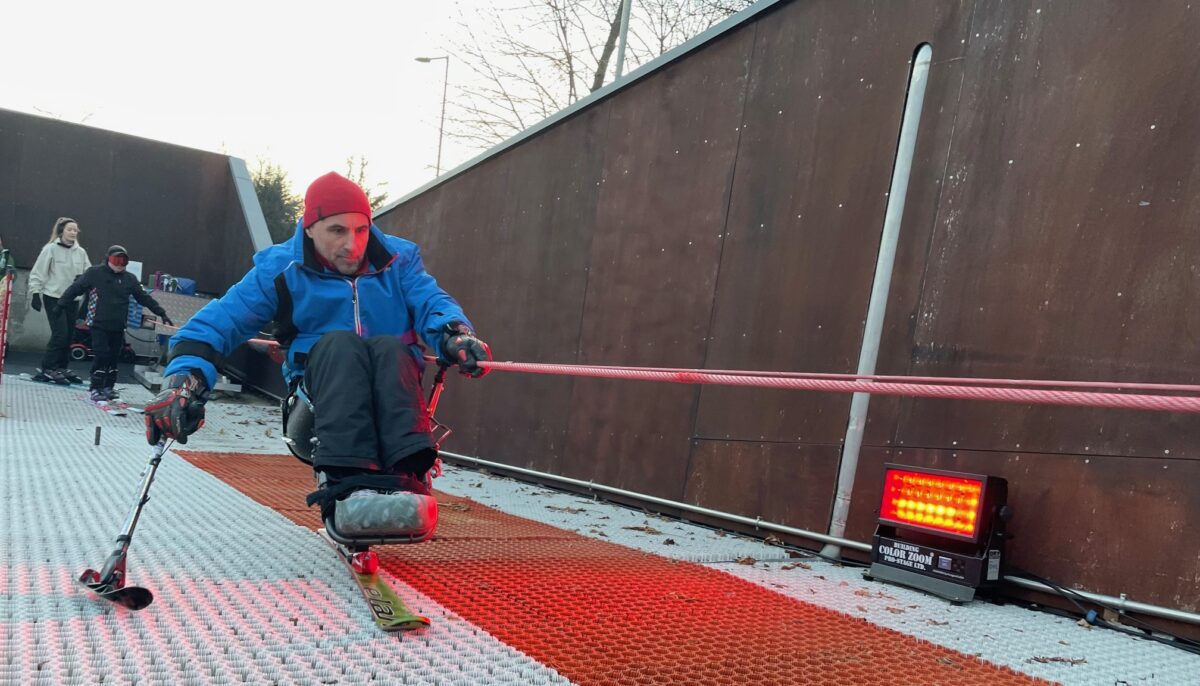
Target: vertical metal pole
[[873, 330], [442, 125], [626, 7]]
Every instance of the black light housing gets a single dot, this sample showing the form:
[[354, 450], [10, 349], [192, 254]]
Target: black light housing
[[940, 531]]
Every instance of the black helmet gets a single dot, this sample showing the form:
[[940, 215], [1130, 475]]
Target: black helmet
[[118, 250]]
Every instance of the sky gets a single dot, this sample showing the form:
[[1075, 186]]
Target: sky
[[302, 84]]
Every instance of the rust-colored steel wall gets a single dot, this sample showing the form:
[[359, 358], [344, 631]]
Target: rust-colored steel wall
[[725, 212], [174, 208]]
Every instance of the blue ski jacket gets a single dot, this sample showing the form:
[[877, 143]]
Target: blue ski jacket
[[394, 297]]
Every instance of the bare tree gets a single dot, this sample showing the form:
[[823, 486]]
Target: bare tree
[[356, 171], [543, 55]]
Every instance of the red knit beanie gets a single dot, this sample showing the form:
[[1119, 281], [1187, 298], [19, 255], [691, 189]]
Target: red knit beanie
[[333, 194]]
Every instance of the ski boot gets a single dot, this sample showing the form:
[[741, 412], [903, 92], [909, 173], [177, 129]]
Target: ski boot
[[51, 376], [401, 509]]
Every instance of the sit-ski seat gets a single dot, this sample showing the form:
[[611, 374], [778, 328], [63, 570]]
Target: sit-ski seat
[[367, 518]]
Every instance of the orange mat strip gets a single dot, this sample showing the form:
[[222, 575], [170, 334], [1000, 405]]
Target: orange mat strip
[[603, 614]]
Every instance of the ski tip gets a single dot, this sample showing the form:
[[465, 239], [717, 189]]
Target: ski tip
[[405, 625]]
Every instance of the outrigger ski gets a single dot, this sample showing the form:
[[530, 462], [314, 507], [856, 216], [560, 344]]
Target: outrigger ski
[[132, 597], [109, 582], [389, 611]]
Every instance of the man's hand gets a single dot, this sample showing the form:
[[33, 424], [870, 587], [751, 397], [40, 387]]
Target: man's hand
[[462, 347], [166, 320], [36, 302], [178, 410]]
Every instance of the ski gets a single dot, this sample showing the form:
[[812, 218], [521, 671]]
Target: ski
[[26, 376], [106, 408], [389, 611], [121, 404]]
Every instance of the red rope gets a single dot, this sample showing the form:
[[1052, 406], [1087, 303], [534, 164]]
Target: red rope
[[939, 380], [1022, 391], [1030, 396]]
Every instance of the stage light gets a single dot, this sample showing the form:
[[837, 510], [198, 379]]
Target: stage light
[[939, 531]]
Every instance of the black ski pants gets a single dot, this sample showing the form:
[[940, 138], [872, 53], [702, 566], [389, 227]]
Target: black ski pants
[[368, 407], [61, 325], [106, 349]]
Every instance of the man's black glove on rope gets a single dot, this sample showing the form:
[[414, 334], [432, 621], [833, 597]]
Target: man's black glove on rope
[[461, 346], [178, 410]]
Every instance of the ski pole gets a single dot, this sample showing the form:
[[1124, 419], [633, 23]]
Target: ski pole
[[109, 582]]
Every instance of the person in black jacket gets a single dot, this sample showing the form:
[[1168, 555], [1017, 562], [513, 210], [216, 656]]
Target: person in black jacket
[[109, 288]]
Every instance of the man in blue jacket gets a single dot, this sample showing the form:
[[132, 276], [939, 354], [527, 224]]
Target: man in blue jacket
[[350, 304]]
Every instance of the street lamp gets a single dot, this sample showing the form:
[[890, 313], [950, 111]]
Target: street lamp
[[442, 125]]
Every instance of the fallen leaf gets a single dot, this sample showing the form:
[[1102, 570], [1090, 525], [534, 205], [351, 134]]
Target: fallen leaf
[[894, 610], [746, 560], [669, 541], [861, 608], [772, 539], [934, 622], [794, 565], [643, 529], [568, 510], [1065, 660]]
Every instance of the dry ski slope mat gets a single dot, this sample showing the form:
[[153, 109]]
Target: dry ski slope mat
[[601, 613]]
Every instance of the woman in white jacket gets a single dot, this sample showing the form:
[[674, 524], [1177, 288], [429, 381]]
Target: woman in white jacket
[[61, 261]]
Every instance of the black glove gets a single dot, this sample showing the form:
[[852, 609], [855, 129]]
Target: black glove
[[36, 303], [166, 320], [178, 410], [462, 347]]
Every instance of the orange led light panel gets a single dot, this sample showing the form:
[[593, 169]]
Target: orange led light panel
[[943, 504]]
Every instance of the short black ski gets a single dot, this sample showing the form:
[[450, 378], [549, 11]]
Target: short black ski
[[26, 376], [389, 611]]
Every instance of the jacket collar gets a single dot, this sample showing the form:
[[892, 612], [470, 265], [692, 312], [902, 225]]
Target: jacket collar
[[378, 256]]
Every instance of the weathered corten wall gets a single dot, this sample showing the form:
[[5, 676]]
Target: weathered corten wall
[[175, 209], [725, 212]]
